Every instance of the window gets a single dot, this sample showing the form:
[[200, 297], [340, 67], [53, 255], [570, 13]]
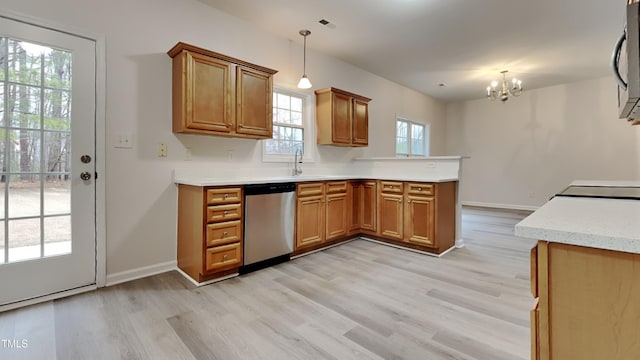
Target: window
[[291, 127], [412, 138]]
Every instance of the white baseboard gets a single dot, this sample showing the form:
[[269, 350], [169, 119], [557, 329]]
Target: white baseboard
[[141, 272], [500, 206]]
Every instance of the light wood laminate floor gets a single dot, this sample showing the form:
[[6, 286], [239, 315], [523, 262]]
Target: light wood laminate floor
[[360, 300]]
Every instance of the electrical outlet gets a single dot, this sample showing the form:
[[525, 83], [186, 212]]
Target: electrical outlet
[[162, 150]]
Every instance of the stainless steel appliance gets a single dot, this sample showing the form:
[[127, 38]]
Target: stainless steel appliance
[[626, 65], [269, 214]]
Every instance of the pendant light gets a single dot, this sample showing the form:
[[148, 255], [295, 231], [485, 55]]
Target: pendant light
[[304, 82]]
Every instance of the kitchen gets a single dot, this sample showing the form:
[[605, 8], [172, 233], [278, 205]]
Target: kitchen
[[520, 152]]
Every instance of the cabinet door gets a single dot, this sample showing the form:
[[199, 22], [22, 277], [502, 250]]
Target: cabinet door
[[341, 119], [391, 216], [309, 221], [369, 206], [336, 216], [354, 206], [419, 216], [208, 94], [360, 125], [254, 105]]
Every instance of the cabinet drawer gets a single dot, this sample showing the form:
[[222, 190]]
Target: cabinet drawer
[[224, 233], [534, 271], [223, 257], [336, 187], [394, 187], [221, 213], [224, 196], [419, 189], [310, 189]]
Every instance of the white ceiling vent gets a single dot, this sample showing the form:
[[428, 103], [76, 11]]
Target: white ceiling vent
[[327, 23]]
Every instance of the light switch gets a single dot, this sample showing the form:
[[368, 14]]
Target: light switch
[[123, 141]]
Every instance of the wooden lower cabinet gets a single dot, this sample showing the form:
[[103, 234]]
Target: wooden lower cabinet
[[336, 216], [209, 231], [587, 303], [418, 220], [322, 214], [362, 206], [391, 217], [369, 206], [418, 215], [309, 221]]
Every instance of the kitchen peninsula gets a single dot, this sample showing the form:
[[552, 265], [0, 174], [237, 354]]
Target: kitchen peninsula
[[584, 276], [409, 203]]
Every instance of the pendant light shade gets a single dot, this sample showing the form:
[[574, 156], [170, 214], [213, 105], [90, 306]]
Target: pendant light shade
[[304, 82]]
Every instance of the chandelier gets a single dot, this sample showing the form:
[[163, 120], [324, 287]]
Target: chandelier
[[493, 92]]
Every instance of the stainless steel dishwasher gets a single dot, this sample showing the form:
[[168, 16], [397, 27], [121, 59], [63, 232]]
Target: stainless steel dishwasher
[[269, 214]]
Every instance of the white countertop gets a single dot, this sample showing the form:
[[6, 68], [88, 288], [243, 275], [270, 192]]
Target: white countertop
[[611, 224], [204, 181]]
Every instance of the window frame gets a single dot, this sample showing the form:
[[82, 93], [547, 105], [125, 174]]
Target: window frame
[[308, 126], [425, 138]]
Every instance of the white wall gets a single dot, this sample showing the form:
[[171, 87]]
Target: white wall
[[527, 149], [141, 198]]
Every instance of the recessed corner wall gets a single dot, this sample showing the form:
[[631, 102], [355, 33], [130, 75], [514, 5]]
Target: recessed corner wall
[[527, 149]]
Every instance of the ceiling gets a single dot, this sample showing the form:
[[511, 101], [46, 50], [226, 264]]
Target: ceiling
[[463, 44]]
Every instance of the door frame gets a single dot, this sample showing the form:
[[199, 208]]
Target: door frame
[[100, 147]]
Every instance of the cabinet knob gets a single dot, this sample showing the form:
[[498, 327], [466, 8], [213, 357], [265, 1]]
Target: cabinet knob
[[419, 189], [399, 200], [226, 196], [408, 201], [226, 212], [224, 257], [224, 234]]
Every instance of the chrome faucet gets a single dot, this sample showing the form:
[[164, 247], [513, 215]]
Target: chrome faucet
[[297, 170]]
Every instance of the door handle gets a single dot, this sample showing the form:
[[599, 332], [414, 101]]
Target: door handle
[[85, 159], [85, 175]]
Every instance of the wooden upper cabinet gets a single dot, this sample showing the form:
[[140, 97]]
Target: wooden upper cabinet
[[215, 94], [254, 104], [360, 124], [342, 118]]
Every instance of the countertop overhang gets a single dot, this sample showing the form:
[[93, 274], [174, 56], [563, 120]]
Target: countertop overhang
[[204, 181], [610, 224]]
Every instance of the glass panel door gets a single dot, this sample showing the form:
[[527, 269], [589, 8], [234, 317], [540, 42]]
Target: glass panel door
[[47, 193]]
